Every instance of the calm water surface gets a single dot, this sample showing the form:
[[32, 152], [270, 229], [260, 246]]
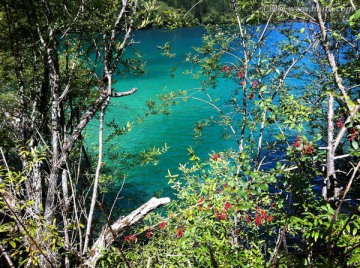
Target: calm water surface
[[174, 130]]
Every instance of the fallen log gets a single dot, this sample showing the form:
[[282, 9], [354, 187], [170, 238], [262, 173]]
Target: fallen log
[[109, 234]]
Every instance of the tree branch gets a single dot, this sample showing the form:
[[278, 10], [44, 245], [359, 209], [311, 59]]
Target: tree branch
[[122, 94], [330, 56], [6, 257], [106, 237]]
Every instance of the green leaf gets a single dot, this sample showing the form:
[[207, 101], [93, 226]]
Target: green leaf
[[355, 144], [316, 236], [355, 16], [13, 244]]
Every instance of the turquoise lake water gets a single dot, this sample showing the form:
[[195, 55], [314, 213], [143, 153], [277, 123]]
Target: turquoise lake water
[[176, 129]]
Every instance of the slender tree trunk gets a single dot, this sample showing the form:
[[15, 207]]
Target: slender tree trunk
[[330, 163], [97, 175], [330, 183], [65, 214], [244, 97], [55, 136]]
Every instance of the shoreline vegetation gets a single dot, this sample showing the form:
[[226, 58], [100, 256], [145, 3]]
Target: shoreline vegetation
[[189, 13], [175, 14]]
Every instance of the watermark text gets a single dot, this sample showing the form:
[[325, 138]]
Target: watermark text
[[283, 8]]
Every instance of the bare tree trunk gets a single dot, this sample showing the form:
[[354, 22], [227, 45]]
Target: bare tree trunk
[[97, 175], [65, 213], [330, 163], [246, 68], [330, 183], [330, 55]]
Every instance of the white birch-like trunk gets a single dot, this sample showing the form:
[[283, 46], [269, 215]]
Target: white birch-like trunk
[[97, 174]]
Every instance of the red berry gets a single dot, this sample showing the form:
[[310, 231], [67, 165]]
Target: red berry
[[340, 122], [180, 232], [241, 74], [162, 225], [225, 68], [131, 238], [352, 135], [308, 150], [258, 220], [296, 144], [220, 215], [148, 233], [227, 205]]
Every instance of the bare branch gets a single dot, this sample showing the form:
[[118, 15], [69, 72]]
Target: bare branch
[[106, 236], [348, 186], [352, 4], [122, 94], [6, 257], [192, 8]]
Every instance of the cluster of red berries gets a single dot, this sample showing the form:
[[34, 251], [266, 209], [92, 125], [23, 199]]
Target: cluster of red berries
[[222, 215], [131, 238], [215, 157], [226, 69], [352, 134], [241, 75], [148, 233], [260, 216], [162, 225], [340, 122], [297, 142], [352, 131], [180, 232], [307, 149]]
